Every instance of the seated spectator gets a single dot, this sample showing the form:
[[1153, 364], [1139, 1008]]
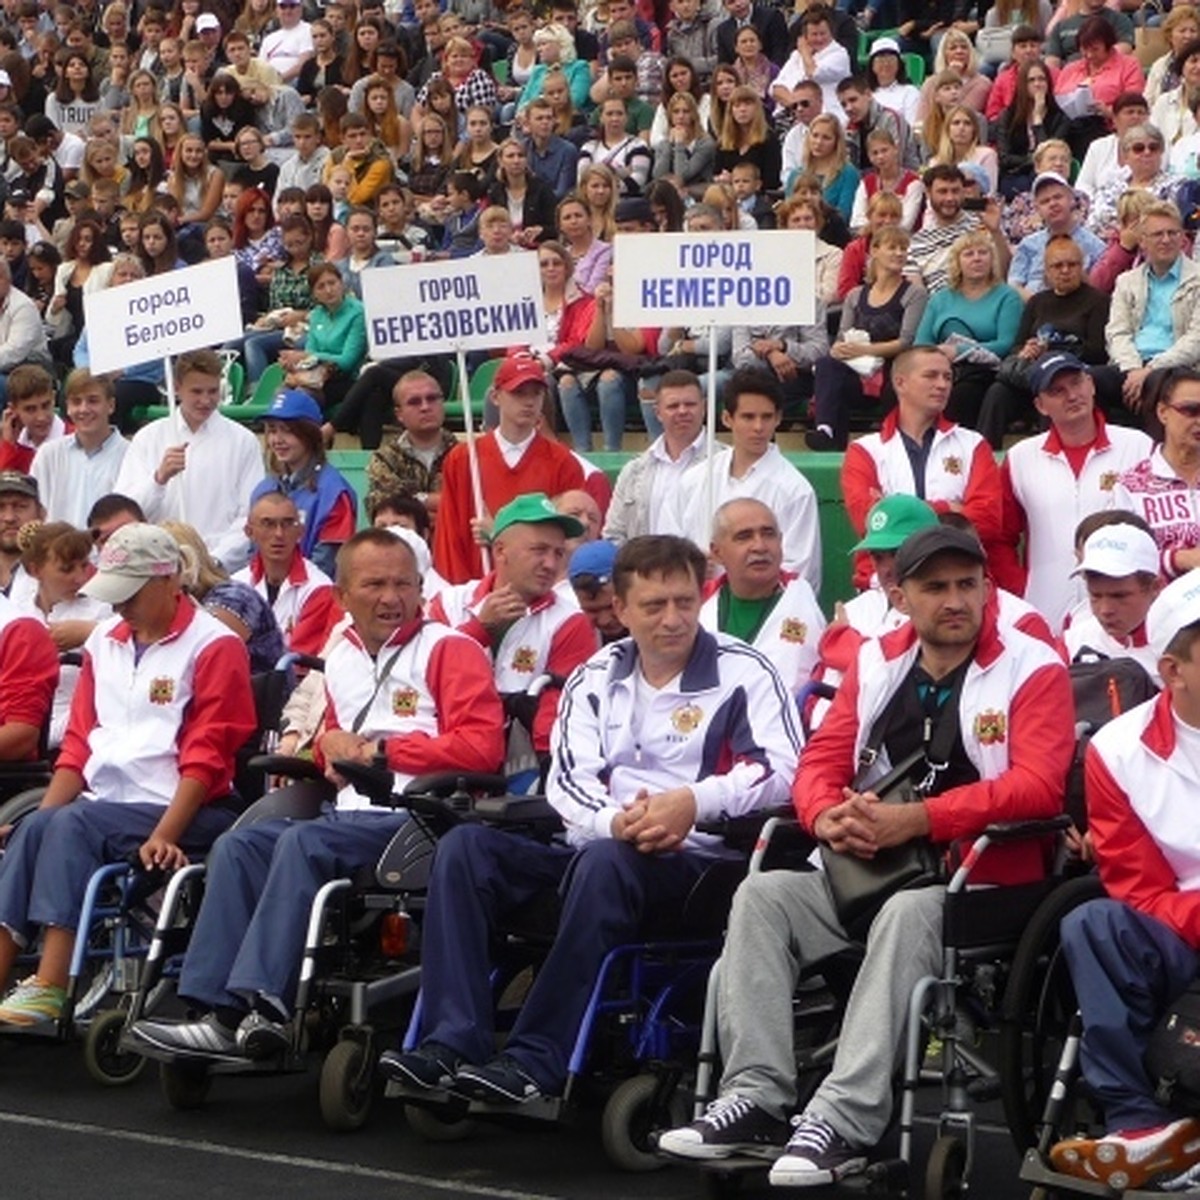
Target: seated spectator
[[29, 419], [590, 572], [1020, 217], [619, 805], [752, 466], [369, 165], [552, 159], [429, 164], [865, 116], [883, 211], [305, 165], [1057, 206], [336, 342], [1143, 169], [947, 93], [647, 484], [747, 189], [1120, 571], [818, 58], [1103, 154], [887, 177], [1032, 118], [570, 312], [753, 599], [297, 468], [1069, 316], [412, 462], [22, 337], [560, 76], [75, 470], [299, 592], [802, 213], [171, 747], [1150, 488], [685, 151], [1026, 43], [945, 223], [256, 237], [1137, 781], [960, 144], [682, 76], [888, 78], [625, 154], [469, 82], [956, 52], [1172, 113], [1185, 153], [1088, 86], [879, 320], [1180, 26], [519, 191], [433, 706], [956, 473], [746, 135], [289, 298], [777, 914], [196, 464], [752, 67], [1063, 44], [514, 458], [973, 321], [1053, 480], [1143, 337], [517, 614], [827, 160]]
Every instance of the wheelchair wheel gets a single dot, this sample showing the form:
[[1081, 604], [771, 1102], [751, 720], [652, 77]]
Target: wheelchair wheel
[[347, 1085], [184, 1085], [630, 1117], [1039, 1002], [106, 1062], [21, 805], [439, 1125], [945, 1173]]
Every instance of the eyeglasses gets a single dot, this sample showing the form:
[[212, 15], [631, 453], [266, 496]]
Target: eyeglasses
[[1145, 147], [429, 400]]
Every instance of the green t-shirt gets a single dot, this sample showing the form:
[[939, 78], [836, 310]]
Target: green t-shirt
[[743, 618]]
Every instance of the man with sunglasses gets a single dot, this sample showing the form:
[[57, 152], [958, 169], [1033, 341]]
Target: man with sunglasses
[[291, 45], [412, 463], [1154, 320]]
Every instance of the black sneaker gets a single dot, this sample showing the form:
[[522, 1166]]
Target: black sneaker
[[816, 1155], [499, 1082], [259, 1037], [731, 1125], [429, 1067], [820, 440]]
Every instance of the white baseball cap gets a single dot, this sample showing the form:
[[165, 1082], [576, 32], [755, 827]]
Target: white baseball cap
[[207, 21], [1117, 551], [1174, 608]]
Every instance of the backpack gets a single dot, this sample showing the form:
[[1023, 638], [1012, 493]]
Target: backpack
[[1173, 1055]]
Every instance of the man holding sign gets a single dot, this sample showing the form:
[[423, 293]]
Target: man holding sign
[[197, 465], [515, 458]]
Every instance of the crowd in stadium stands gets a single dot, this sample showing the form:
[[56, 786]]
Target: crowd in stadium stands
[[1003, 202]]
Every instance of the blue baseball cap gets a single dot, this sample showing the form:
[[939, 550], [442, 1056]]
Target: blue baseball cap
[[293, 405], [595, 559], [1050, 365]]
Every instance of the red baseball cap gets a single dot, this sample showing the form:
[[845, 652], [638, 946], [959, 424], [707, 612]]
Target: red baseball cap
[[519, 369]]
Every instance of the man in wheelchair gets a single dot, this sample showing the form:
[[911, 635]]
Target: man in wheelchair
[[655, 732], [1135, 952], [982, 719], [419, 690], [162, 705]]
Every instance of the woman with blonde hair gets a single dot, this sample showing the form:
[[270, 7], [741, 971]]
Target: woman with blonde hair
[[883, 210], [686, 152], [957, 53], [140, 118], [557, 57], [828, 159], [195, 183], [959, 143], [745, 136], [429, 160], [234, 604], [1180, 26], [879, 321], [599, 188], [973, 321]]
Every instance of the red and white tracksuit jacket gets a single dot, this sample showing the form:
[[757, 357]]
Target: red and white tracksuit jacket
[[306, 607]]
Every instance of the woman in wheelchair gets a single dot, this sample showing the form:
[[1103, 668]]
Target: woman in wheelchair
[[162, 705], [1132, 954]]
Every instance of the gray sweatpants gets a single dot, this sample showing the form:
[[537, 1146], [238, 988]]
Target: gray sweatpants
[[784, 921]]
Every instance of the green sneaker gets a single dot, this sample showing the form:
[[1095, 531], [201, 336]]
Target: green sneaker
[[32, 1002]]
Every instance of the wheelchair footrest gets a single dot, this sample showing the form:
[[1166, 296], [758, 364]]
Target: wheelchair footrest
[[1035, 1170], [540, 1108]]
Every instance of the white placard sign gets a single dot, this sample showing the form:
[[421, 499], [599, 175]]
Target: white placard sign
[[484, 302], [760, 277], [166, 314]]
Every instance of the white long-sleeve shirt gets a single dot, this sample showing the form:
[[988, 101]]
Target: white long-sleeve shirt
[[212, 493], [71, 480]]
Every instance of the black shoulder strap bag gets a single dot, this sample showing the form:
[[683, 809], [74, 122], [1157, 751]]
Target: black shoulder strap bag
[[861, 886]]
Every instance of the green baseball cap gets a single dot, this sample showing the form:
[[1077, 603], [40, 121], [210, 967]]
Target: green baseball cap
[[534, 508], [892, 519]]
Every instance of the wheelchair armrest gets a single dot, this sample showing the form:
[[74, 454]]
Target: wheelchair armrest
[[377, 783], [287, 765], [505, 810], [1019, 831], [25, 770], [449, 783], [299, 801], [743, 831]]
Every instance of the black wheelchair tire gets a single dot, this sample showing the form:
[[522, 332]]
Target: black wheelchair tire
[[347, 1086], [106, 1062], [628, 1120]]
